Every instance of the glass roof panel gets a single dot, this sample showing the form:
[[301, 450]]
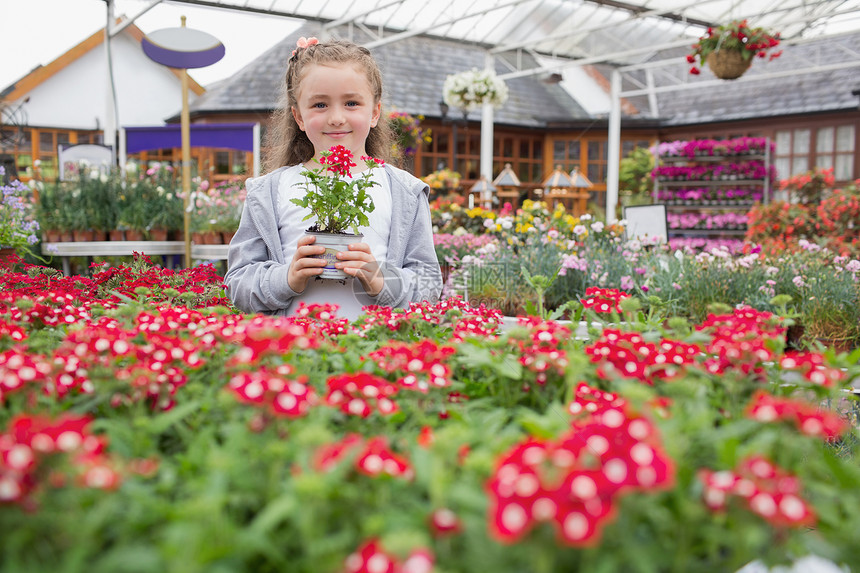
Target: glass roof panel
[[617, 32]]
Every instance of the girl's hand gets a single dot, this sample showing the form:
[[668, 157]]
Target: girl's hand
[[359, 262], [303, 267]]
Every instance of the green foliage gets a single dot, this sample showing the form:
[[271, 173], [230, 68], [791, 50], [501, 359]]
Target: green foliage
[[634, 177], [338, 204]]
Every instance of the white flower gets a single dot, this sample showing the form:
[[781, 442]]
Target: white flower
[[469, 90], [597, 226], [585, 217], [579, 230]]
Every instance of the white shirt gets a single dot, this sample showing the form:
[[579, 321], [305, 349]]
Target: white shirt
[[349, 295]]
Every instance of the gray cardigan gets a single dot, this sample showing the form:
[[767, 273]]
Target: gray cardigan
[[256, 276]]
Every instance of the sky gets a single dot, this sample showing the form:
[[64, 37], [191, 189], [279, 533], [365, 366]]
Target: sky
[[38, 31]]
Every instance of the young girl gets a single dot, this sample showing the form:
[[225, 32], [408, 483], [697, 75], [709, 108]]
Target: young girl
[[332, 96]]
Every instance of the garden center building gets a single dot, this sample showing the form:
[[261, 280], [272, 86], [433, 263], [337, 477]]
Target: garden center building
[[805, 101]]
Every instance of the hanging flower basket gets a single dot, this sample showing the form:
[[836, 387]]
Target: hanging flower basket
[[729, 50], [728, 64], [469, 90]]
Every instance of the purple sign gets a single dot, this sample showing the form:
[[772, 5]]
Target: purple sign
[[182, 48]]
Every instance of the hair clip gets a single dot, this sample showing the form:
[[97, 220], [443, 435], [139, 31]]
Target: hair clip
[[305, 43]]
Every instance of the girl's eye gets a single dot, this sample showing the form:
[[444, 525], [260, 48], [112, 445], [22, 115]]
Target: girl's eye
[[352, 103], [318, 105]]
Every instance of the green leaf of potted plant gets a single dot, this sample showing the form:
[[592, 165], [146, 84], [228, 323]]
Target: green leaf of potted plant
[[729, 49], [338, 202]]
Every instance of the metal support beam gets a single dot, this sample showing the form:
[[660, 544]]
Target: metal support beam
[[487, 128], [613, 148]]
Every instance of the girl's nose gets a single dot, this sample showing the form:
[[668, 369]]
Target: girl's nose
[[336, 117]]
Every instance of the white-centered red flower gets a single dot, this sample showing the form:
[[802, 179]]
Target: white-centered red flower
[[360, 394], [421, 365], [603, 300], [764, 488], [372, 457], [574, 481], [621, 354], [277, 389], [371, 558], [810, 419], [741, 341], [30, 440]]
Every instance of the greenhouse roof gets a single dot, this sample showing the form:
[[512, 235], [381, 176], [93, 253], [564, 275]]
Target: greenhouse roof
[[620, 33]]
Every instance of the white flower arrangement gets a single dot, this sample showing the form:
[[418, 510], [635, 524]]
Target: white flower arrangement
[[469, 90]]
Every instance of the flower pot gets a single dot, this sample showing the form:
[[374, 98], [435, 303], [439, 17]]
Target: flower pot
[[333, 243], [227, 236], [83, 235], [211, 238], [52, 236], [728, 64], [7, 255], [116, 235], [66, 237], [839, 345], [158, 234], [133, 235]]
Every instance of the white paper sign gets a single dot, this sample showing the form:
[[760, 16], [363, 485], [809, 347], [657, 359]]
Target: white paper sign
[[646, 222]]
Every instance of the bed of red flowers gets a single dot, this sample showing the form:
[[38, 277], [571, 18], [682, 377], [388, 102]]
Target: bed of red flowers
[[145, 425]]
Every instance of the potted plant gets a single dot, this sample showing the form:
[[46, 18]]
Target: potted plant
[[229, 198], [442, 182], [408, 134], [18, 228], [729, 49], [337, 204], [469, 90]]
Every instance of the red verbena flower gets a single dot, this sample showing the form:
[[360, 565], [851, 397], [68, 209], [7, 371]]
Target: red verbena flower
[[422, 364], [603, 301], [283, 394], [808, 418], [360, 394], [765, 489], [574, 482]]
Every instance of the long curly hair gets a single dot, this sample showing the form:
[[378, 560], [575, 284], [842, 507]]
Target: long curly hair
[[286, 144]]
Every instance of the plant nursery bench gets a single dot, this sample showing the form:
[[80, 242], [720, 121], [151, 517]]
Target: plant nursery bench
[[91, 249]]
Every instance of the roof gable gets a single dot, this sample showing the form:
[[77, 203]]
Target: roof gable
[[41, 74]]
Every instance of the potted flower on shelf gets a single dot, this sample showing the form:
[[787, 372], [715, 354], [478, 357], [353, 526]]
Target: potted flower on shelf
[[18, 228], [338, 202], [729, 49]]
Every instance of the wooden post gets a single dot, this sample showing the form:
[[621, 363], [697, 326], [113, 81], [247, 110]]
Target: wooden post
[[186, 165]]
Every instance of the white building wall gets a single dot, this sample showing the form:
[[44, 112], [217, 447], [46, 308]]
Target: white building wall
[[76, 96]]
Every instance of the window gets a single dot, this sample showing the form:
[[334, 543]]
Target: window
[[524, 153], [597, 161], [800, 150]]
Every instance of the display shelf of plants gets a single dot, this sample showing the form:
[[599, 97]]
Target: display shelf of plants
[[709, 186]]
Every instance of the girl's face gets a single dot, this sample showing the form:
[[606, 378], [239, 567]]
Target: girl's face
[[336, 107]]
